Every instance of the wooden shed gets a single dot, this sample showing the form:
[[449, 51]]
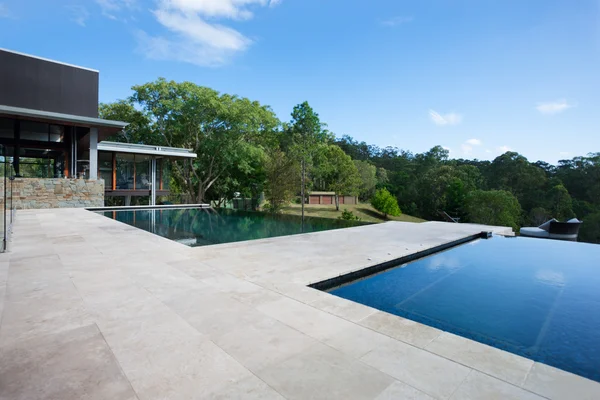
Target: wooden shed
[[329, 198]]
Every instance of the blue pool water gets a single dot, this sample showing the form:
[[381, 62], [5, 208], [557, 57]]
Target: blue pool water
[[533, 297], [205, 226]]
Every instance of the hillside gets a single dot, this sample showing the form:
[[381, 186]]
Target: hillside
[[365, 212]]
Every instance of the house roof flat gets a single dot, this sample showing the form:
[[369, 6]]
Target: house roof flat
[[54, 116], [146, 149]]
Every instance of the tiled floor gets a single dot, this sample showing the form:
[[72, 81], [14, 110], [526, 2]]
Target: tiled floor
[[94, 309]]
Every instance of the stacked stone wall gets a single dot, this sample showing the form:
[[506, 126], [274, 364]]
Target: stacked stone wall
[[34, 193]]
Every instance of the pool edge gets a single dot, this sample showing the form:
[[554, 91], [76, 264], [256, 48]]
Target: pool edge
[[340, 280]]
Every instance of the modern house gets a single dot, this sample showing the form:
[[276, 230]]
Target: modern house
[[53, 141]]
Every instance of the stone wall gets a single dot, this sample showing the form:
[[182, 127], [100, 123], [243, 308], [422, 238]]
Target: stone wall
[[54, 193]]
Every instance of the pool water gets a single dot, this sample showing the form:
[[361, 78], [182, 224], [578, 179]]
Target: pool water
[[533, 297], [207, 226]]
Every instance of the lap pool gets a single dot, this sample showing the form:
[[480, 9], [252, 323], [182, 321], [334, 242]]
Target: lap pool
[[206, 226], [533, 297]]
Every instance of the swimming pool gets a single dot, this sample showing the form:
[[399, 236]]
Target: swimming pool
[[206, 226], [533, 297]]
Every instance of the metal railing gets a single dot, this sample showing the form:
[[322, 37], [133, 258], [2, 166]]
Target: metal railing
[[8, 210]]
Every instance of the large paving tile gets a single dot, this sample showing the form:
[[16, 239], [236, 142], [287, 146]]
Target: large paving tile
[[343, 308], [306, 319], [71, 365], [402, 391], [324, 373], [356, 341], [556, 384], [425, 371], [250, 388], [401, 328], [263, 342], [501, 364], [480, 386], [165, 358], [242, 290], [213, 314]]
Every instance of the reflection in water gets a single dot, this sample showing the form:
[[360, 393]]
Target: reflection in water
[[206, 226], [550, 277]]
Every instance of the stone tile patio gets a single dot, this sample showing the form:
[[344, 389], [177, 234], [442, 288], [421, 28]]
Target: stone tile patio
[[95, 309]]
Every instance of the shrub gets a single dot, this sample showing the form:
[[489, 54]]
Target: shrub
[[385, 203], [349, 216]]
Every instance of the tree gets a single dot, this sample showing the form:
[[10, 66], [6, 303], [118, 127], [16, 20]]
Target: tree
[[337, 172], [305, 133], [282, 174], [590, 229], [560, 203], [384, 202], [368, 179], [138, 131], [220, 128], [512, 172], [493, 207]]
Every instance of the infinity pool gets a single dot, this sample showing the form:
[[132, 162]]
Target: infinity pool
[[533, 297], [206, 226]]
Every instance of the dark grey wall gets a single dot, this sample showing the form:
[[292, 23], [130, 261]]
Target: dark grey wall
[[29, 82]]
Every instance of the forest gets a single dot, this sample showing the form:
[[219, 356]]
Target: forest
[[244, 148]]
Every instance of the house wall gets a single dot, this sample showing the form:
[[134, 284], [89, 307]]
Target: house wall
[[31, 82], [36, 193], [329, 199]]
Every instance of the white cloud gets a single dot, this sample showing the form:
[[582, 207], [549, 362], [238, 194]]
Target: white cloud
[[396, 21], [193, 36], [554, 107], [474, 142], [488, 151], [4, 11], [111, 7], [79, 14], [446, 119], [504, 149], [467, 146]]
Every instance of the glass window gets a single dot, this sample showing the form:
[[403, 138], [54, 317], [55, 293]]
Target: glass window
[[125, 171], [165, 173], [142, 172], [57, 133], [36, 131], [105, 168]]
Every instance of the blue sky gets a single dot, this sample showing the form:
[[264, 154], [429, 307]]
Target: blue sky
[[476, 76]]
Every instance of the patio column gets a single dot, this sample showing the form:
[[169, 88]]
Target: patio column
[[93, 153]]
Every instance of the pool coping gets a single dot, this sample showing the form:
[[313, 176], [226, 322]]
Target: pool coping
[[156, 207], [352, 276]]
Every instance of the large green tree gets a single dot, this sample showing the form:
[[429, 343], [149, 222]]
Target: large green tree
[[305, 133], [368, 179], [221, 128]]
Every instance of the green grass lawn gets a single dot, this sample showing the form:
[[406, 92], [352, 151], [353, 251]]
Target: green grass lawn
[[365, 212]]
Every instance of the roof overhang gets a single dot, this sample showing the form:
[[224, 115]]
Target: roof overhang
[[59, 117], [146, 149]]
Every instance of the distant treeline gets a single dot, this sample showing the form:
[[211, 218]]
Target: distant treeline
[[430, 182]]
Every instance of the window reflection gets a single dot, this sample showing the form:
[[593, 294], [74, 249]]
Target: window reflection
[[125, 171]]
